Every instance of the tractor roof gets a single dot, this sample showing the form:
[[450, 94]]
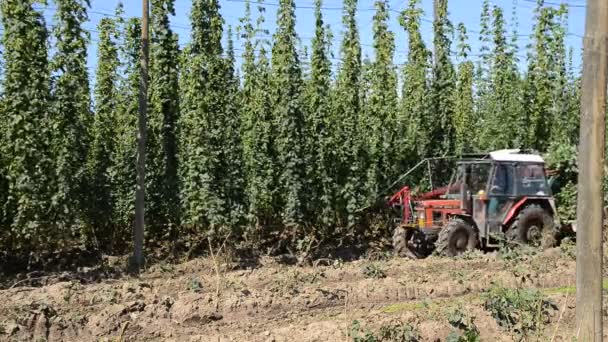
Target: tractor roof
[[515, 156]]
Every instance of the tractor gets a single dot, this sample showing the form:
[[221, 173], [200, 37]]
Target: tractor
[[491, 198]]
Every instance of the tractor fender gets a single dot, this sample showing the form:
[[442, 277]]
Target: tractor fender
[[526, 200], [513, 211]]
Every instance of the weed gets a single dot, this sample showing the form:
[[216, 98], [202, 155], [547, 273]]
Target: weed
[[568, 248], [355, 331], [469, 255], [399, 332], [292, 281], [393, 332], [373, 271], [401, 307], [562, 290], [516, 254], [284, 285], [522, 273], [310, 278], [518, 261], [521, 311], [78, 318], [572, 289], [68, 295], [70, 291], [237, 285], [378, 255], [455, 336], [459, 275], [466, 324], [195, 285], [438, 309], [110, 296], [166, 268]]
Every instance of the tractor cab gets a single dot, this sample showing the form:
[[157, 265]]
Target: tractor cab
[[501, 195], [490, 190]]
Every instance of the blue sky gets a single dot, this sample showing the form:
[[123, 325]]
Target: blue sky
[[466, 11]]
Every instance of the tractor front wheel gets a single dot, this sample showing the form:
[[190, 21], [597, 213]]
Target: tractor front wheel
[[535, 226], [456, 238], [400, 243]]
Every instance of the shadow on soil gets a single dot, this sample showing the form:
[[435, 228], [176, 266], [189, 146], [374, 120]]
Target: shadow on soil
[[90, 266]]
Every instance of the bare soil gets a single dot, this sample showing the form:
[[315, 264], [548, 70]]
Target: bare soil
[[209, 300]]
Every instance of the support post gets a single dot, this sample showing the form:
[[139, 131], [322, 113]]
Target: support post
[[591, 163], [138, 231], [435, 18]]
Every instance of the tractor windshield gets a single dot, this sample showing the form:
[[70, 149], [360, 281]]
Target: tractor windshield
[[532, 181], [477, 175], [455, 183]]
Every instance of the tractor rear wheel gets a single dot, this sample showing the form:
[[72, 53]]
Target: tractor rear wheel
[[535, 226], [400, 243], [456, 238]]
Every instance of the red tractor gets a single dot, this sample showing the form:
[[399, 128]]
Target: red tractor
[[503, 195]]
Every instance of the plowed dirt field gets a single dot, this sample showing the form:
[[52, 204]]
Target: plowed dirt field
[[207, 300]]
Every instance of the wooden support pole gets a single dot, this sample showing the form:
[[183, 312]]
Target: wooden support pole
[[140, 193], [435, 18], [591, 165]]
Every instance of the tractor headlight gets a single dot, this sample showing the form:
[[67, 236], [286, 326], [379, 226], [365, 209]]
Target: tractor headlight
[[421, 220]]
